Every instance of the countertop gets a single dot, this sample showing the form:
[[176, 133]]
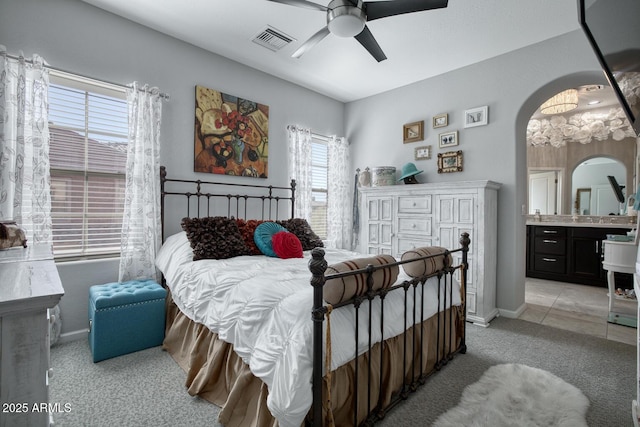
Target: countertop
[[589, 221], [580, 224]]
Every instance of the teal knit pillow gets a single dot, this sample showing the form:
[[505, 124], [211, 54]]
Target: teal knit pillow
[[262, 237]]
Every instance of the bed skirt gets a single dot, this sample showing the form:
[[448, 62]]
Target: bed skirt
[[216, 374]]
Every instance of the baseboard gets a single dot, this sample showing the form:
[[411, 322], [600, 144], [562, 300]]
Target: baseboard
[[510, 314], [81, 334]]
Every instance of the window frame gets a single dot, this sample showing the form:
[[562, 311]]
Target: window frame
[[93, 89], [322, 232]]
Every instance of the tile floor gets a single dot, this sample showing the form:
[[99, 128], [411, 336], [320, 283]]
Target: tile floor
[[578, 308]]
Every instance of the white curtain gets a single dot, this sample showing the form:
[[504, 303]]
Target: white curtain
[[24, 146], [141, 227], [339, 208], [300, 169]]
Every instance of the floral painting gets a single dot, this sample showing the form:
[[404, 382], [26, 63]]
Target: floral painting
[[231, 135]]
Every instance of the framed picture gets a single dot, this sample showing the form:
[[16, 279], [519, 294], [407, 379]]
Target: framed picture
[[231, 135], [423, 153], [448, 139], [440, 120], [476, 117], [450, 161], [413, 132]]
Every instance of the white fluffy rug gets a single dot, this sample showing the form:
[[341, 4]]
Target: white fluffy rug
[[518, 395]]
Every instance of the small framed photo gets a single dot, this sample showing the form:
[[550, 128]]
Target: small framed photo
[[423, 153], [448, 139], [476, 117], [440, 120], [413, 132], [450, 161]]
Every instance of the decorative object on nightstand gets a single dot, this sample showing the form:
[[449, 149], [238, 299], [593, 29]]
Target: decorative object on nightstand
[[409, 172], [383, 175], [364, 177], [413, 132], [11, 235]]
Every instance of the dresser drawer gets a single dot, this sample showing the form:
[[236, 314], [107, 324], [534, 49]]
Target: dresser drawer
[[415, 225], [550, 245], [550, 263], [414, 204], [405, 244], [542, 230]]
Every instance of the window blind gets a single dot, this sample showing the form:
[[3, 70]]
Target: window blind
[[319, 186], [88, 128]]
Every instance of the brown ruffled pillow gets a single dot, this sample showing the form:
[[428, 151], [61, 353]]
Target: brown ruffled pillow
[[247, 228], [215, 237], [345, 288], [301, 228], [425, 266]]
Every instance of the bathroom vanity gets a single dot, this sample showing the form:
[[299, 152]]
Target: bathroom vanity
[[568, 251]]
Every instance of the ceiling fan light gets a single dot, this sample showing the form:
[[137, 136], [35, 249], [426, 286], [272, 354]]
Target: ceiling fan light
[[344, 19], [561, 103], [346, 26]]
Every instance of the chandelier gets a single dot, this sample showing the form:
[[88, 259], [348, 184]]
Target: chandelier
[[561, 103]]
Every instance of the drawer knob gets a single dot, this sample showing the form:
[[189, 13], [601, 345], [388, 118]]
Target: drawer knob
[[550, 241], [549, 259]]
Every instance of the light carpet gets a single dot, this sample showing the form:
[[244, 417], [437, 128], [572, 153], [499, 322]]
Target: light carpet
[[518, 395]]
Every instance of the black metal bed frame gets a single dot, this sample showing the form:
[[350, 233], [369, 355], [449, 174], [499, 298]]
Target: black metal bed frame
[[269, 203], [318, 266]]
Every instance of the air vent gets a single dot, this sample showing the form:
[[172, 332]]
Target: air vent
[[272, 39]]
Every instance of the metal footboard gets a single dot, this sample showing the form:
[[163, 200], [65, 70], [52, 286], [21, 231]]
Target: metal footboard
[[446, 348]]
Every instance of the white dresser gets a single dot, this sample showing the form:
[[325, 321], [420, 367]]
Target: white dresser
[[29, 285], [401, 217]]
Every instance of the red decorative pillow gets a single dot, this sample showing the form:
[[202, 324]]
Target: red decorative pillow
[[286, 245]]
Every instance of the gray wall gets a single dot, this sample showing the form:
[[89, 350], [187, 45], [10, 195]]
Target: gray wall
[[78, 37], [512, 86]]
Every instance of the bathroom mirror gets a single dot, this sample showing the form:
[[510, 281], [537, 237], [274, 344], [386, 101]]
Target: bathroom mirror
[[583, 201], [557, 144], [589, 181]]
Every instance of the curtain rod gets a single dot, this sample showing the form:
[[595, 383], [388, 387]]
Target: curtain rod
[[163, 95]]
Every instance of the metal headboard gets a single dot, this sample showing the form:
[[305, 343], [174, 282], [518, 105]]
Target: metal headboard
[[211, 198]]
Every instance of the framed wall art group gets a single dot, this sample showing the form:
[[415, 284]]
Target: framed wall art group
[[450, 161]]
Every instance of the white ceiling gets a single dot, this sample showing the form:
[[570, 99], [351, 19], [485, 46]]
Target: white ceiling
[[418, 45]]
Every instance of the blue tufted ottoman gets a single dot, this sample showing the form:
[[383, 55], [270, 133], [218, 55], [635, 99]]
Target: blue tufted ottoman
[[125, 317]]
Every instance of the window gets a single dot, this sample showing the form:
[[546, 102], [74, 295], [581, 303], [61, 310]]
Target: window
[[88, 129], [319, 186]]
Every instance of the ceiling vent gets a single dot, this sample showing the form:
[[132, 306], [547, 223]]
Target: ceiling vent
[[272, 39]]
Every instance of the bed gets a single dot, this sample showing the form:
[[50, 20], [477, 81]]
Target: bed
[[328, 337]]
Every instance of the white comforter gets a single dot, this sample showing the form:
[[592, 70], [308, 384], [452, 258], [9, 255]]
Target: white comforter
[[263, 305]]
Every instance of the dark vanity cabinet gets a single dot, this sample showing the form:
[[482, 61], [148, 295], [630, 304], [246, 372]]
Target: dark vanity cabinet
[[569, 254]]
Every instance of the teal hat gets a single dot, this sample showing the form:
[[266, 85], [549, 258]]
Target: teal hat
[[409, 170]]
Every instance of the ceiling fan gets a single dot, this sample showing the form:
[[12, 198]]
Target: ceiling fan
[[348, 18]]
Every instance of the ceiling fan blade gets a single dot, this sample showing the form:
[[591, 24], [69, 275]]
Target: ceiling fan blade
[[367, 40], [382, 9], [313, 40], [302, 3]]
